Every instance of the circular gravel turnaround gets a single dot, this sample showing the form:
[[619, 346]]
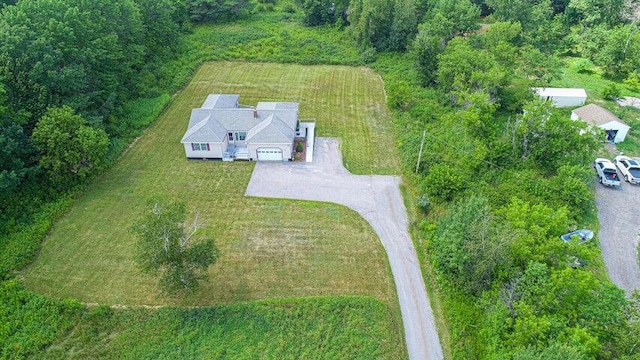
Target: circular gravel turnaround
[[377, 198], [619, 231]]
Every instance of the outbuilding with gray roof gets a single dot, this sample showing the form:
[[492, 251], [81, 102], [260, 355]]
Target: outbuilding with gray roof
[[616, 130]]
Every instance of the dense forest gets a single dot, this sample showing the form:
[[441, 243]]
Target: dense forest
[[495, 185]]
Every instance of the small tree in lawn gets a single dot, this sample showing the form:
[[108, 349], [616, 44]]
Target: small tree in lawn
[[166, 246]]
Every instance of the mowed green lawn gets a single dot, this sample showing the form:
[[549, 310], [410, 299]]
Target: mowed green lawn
[[269, 248]]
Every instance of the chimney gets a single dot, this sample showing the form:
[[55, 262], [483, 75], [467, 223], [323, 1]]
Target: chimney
[[255, 113]]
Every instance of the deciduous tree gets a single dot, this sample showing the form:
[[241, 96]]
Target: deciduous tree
[[370, 22], [168, 247], [446, 20], [70, 149], [70, 52], [462, 68], [469, 247], [594, 12], [404, 25]]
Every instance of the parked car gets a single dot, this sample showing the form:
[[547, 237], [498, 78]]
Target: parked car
[[630, 168], [607, 173], [583, 235]]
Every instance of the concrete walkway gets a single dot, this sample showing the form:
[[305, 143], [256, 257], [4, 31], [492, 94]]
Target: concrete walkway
[[378, 199]]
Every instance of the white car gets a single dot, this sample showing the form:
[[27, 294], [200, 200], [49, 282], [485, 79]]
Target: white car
[[607, 173], [630, 168]]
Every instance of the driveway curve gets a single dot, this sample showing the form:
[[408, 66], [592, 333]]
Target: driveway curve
[[378, 200], [619, 233]]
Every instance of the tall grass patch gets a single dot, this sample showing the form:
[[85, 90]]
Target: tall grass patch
[[330, 328]]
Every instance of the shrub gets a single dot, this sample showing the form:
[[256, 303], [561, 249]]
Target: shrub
[[31, 322], [443, 182], [584, 66], [633, 81], [399, 95], [289, 8], [369, 55], [299, 147], [20, 247], [424, 203], [611, 92]]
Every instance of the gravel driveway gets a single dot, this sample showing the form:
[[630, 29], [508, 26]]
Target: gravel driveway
[[619, 228], [378, 199]]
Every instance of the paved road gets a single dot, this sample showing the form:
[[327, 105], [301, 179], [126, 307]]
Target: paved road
[[619, 230], [378, 200]]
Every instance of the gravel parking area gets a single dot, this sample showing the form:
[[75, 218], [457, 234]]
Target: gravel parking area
[[378, 200], [619, 216]]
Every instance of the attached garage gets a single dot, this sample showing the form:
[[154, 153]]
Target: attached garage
[[269, 154]]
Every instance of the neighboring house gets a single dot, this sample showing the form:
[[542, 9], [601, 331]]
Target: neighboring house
[[562, 97], [224, 129], [595, 115]]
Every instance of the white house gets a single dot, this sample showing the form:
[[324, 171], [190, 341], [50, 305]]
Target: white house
[[562, 97], [223, 129], [595, 115]]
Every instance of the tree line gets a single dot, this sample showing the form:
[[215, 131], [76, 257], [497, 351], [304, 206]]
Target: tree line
[[69, 68], [602, 31]]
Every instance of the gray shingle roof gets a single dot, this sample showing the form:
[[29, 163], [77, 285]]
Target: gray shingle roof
[[206, 130], [270, 122], [287, 112], [271, 131], [596, 115], [221, 101]]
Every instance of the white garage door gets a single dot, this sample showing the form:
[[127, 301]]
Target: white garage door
[[269, 154]]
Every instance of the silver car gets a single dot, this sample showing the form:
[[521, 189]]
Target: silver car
[[630, 168]]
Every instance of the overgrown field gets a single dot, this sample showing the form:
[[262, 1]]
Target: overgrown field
[[269, 248], [333, 328], [330, 327]]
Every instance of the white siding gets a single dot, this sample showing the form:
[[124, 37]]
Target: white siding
[[563, 97], [611, 125], [574, 116], [561, 101], [614, 125], [215, 151]]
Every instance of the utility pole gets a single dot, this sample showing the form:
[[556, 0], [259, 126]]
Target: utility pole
[[424, 133]]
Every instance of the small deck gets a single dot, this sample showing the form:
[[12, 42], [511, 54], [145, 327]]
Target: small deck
[[235, 152]]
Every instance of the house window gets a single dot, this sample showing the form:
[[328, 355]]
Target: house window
[[241, 135], [230, 136], [200, 147]]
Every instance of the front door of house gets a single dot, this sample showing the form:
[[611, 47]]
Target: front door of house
[[240, 137]]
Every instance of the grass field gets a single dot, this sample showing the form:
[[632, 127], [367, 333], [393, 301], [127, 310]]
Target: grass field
[[593, 81], [318, 328], [269, 248]]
